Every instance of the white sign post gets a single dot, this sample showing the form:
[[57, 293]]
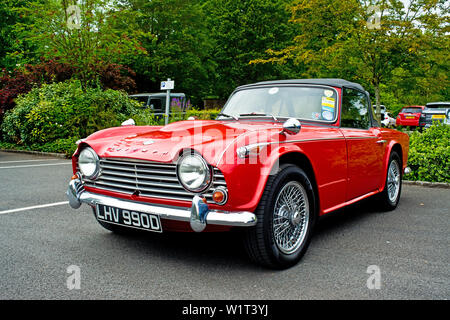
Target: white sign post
[[167, 85]]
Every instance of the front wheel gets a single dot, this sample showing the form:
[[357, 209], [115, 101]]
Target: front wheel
[[285, 220]]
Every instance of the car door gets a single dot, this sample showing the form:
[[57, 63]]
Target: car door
[[365, 147]]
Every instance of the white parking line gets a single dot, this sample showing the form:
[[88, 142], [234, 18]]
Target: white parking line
[[29, 160], [37, 165], [35, 207]]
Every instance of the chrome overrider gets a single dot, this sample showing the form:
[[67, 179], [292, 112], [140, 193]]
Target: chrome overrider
[[199, 214]]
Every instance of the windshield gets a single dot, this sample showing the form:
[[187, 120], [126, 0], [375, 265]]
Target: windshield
[[309, 103], [438, 106], [412, 110], [142, 99]]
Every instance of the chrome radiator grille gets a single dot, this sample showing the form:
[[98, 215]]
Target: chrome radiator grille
[[151, 179]]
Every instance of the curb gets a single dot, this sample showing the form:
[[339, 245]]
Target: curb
[[39, 153], [442, 185]]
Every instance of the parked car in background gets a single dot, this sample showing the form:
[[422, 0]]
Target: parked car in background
[[409, 116], [280, 155], [387, 120], [382, 110], [434, 111], [157, 101]]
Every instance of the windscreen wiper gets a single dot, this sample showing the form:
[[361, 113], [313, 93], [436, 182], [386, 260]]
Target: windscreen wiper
[[254, 114], [227, 115]]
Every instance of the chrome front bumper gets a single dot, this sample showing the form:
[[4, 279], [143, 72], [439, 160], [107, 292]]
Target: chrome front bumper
[[199, 215]]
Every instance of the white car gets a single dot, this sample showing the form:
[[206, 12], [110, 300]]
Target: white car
[[388, 121]]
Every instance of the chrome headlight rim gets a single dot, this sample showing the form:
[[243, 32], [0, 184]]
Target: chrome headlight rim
[[208, 177], [96, 172]]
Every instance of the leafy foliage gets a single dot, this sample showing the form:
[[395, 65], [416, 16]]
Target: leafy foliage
[[62, 110], [407, 48], [20, 81], [242, 31], [66, 146], [85, 41], [176, 37], [429, 154]]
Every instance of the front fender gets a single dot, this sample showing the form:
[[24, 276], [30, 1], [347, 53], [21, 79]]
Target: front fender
[[247, 178]]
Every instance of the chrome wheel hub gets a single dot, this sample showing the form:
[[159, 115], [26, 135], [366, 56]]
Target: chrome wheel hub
[[393, 181], [290, 217]]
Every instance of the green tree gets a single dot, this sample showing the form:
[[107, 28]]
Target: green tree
[[340, 39], [176, 37], [81, 33], [242, 31], [14, 50]]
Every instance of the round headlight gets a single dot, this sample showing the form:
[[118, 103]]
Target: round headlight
[[193, 173], [88, 163]]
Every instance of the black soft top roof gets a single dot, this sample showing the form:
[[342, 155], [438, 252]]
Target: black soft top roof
[[328, 82]]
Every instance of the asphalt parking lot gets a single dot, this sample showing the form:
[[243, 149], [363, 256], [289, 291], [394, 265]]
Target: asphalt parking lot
[[410, 246]]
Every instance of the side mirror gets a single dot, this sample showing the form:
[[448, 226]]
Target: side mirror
[[129, 122], [291, 126]]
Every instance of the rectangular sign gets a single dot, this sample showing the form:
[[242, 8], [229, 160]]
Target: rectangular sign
[[167, 85], [129, 218]]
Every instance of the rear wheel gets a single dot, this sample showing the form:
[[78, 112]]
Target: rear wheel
[[390, 195], [285, 220]]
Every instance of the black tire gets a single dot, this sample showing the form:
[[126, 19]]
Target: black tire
[[386, 202], [260, 240]]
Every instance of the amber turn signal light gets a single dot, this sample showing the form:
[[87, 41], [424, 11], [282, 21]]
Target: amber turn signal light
[[220, 196]]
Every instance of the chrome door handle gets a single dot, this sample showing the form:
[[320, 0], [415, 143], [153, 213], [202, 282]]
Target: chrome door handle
[[381, 141]]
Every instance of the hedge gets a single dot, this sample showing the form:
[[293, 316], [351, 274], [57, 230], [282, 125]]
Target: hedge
[[429, 154], [53, 117]]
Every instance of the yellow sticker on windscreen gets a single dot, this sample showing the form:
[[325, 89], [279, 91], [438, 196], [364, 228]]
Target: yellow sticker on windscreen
[[328, 102]]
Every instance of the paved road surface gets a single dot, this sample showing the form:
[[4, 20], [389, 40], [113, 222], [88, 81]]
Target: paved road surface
[[409, 245]]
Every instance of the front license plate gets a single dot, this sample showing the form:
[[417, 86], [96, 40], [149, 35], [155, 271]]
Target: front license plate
[[410, 117], [129, 218], [438, 116]]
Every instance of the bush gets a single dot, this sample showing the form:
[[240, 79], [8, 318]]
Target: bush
[[53, 117], [20, 81], [63, 110], [66, 146], [146, 117], [429, 154], [202, 114]]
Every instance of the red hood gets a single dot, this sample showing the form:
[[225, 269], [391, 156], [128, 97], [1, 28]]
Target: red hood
[[163, 144]]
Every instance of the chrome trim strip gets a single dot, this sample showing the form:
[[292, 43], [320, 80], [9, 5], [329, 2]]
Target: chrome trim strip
[[302, 140], [361, 138]]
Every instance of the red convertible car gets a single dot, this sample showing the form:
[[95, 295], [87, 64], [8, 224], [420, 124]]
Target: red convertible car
[[280, 155]]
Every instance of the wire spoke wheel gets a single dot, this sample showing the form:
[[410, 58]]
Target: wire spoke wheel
[[290, 217], [393, 181]]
